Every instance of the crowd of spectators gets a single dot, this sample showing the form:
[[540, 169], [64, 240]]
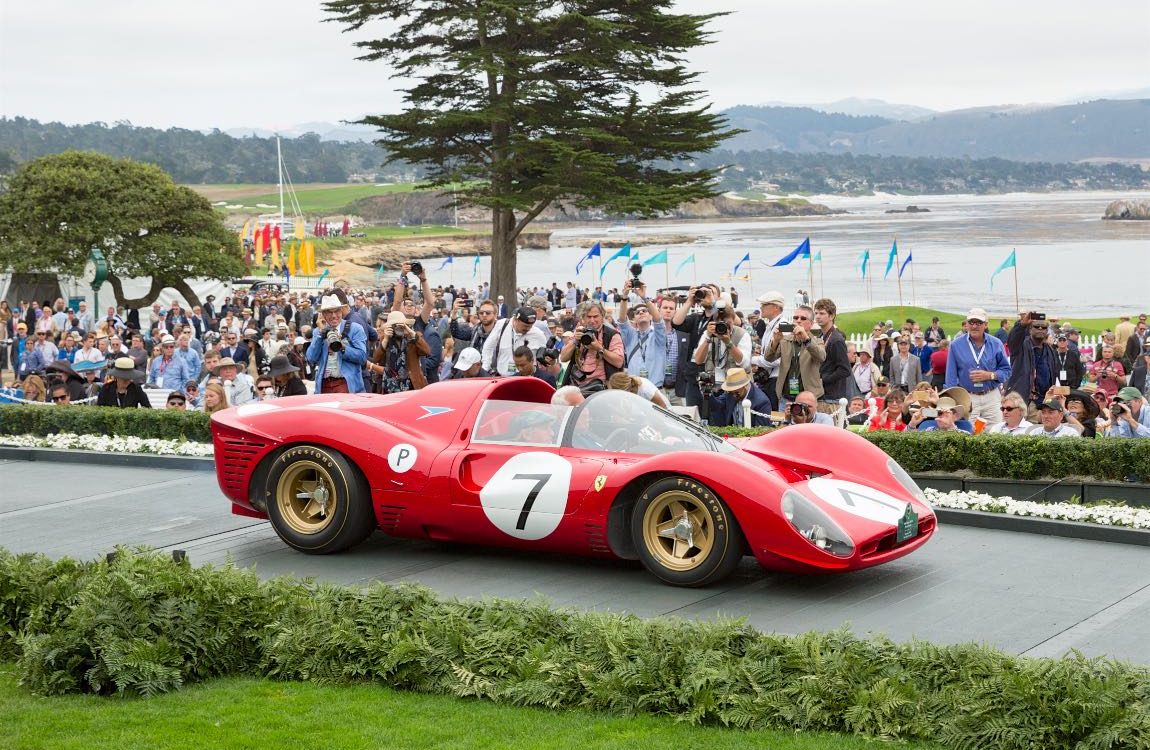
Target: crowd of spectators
[[676, 347]]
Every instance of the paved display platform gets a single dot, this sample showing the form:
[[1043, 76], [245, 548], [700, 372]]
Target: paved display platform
[[1023, 593]]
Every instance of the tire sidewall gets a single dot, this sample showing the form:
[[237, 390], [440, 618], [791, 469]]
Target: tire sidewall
[[725, 552], [343, 476]]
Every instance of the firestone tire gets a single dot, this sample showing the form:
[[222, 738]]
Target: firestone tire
[[318, 502], [684, 534]]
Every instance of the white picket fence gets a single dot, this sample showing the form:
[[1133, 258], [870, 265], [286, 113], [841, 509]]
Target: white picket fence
[[1085, 343]]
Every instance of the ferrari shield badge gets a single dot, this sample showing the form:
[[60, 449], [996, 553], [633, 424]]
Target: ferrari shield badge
[[600, 481]]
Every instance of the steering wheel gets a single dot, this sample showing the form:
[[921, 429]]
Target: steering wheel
[[619, 440]]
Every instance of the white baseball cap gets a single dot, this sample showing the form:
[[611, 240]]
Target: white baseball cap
[[467, 358], [771, 298]]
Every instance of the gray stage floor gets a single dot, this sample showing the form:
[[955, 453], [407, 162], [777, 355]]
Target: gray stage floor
[[1026, 594]]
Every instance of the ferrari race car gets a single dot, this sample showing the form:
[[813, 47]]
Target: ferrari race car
[[493, 462]]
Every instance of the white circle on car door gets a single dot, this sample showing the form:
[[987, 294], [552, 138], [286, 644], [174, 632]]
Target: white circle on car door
[[858, 499], [527, 497], [402, 457]]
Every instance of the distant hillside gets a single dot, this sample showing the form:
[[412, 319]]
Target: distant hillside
[[1104, 128]]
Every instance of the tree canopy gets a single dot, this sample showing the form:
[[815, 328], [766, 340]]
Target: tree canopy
[[57, 208], [526, 102]]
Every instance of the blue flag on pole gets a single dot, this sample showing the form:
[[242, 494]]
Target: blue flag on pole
[[656, 259], [594, 252], [902, 268], [475, 268], [624, 252], [378, 273], [802, 251], [865, 262], [890, 258], [448, 261], [1010, 262], [689, 259], [746, 259]]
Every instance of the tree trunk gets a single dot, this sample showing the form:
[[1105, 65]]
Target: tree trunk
[[151, 296], [503, 279], [182, 286]]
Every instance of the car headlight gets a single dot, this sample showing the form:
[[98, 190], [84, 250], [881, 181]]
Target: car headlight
[[814, 525], [906, 481]]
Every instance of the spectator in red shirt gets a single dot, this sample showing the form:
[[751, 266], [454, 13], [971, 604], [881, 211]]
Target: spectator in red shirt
[[889, 418], [1107, 372], [938, 364]]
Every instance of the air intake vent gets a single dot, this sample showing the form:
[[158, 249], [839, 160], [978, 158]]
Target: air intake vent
[[596, 538], [389, 516], [235, 465]]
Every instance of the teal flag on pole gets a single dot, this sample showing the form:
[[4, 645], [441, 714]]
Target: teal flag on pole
[[475, 268], [624, 252], [656, 259], [689, 259], [890, 258], [819, 256], [1010, 262], [865, 262]]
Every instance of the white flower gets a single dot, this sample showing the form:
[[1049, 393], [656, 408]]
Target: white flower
[[1106, 515], [109, 444]]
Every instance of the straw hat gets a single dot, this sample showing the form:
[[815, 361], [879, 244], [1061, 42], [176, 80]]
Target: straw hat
[[125, 367], [736, 378], [225, 362], [960, 396]]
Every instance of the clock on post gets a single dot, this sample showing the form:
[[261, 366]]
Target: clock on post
[[96, 273]]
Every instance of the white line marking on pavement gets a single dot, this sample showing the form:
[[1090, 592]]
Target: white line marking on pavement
[[94, 498]]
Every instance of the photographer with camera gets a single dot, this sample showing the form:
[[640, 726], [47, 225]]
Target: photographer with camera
[[694, 325], [1033, 361], [799, 355], [338, 349], [1108, 373], [395, 364], [723, 345], [404, 301], [595, 351], [507, 336], [1129, 416], [470, 330], [644, 339], [804, 409]]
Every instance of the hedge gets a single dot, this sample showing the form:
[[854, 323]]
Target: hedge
[[20, 419], [143, 624], [1006, 456]]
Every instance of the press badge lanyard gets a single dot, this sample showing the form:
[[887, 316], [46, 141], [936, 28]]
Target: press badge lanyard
[[1061, 366], [976, 354]]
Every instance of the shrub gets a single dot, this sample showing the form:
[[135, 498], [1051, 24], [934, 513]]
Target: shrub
[[1005, 456], [25, 419], [144, 624]]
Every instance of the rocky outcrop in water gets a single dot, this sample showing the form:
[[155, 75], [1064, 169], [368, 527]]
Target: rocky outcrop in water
[[1128, 210]]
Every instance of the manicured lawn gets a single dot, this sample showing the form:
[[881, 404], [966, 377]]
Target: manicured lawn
[[250, 713], [317, 200], [862, 320]]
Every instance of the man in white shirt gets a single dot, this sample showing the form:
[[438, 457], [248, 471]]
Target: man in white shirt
[[507, 336], [1050, 412], [1013, 417]]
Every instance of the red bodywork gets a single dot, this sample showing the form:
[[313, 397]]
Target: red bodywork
[[438, 496]]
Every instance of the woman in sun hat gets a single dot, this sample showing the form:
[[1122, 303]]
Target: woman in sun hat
[[285, 376], [123, 389]]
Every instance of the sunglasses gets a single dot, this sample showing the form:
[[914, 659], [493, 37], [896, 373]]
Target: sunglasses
[[975, 323], [800, 317], [59, 398], [1010, 408], [175, 403]]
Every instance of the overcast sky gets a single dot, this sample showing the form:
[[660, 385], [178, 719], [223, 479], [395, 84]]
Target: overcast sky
[[272, 63]]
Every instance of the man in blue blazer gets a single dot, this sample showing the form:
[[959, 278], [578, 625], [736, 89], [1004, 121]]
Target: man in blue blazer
[[338, 349]]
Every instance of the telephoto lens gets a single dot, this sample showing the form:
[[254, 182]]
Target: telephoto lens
[[334, 341], [722, 329], [700, 295]]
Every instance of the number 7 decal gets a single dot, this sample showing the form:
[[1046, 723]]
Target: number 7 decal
[[540, 480]]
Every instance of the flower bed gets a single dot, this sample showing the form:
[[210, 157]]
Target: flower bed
[[109, 444], [1106, 515]]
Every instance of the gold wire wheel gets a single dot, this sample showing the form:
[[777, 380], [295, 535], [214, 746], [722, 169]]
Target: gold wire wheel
[[306, 497], [678, 530]]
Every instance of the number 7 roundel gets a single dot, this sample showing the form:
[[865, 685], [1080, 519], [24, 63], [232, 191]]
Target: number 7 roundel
[[527, 497]]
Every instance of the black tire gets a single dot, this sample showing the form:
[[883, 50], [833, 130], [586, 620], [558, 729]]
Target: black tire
[[314, 520], [701, 547]]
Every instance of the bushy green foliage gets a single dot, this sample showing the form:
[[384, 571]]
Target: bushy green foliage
[[25, 419], [144, 624], [1004, 456]]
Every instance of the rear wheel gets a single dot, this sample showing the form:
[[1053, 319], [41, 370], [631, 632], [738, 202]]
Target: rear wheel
[[318, 502], [684, 534]]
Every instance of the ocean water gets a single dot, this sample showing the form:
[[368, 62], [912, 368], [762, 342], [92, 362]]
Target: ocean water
[[1070, 262]]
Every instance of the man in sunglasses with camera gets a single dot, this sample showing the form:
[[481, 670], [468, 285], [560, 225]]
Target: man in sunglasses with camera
[[1034, 365], [799, 355], [338, 349], [804, 410]]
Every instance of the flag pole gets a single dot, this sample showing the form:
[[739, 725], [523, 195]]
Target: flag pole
[[900, 275], [913, 292], [811, 272], [1016, 304], [822, 276], [667, 272]]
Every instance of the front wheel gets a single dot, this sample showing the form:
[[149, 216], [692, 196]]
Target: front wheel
[[318, 502], [684, 534]]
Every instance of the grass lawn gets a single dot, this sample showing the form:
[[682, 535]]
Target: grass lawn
[[318, 200], [251, 713], [861, 321]]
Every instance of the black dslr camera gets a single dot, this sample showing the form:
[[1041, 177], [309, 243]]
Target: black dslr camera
[[700, 295], [721, 328], [333, 341], [588, 336], [1037, 316], [706, 382], [636, 271], [417, 268]]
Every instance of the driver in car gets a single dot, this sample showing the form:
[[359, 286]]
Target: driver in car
[[533, 427]]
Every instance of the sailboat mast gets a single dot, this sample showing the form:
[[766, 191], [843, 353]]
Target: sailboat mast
[[280, 174]]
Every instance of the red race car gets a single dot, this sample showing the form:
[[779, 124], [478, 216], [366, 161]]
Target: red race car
[[494, 462]]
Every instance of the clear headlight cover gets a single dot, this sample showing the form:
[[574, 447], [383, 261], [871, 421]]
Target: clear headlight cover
[[906, 481], [814, 525]]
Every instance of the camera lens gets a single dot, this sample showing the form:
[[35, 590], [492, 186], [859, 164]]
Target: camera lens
[[417, 268], [722, 329], [700, 295], [586, 339]]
